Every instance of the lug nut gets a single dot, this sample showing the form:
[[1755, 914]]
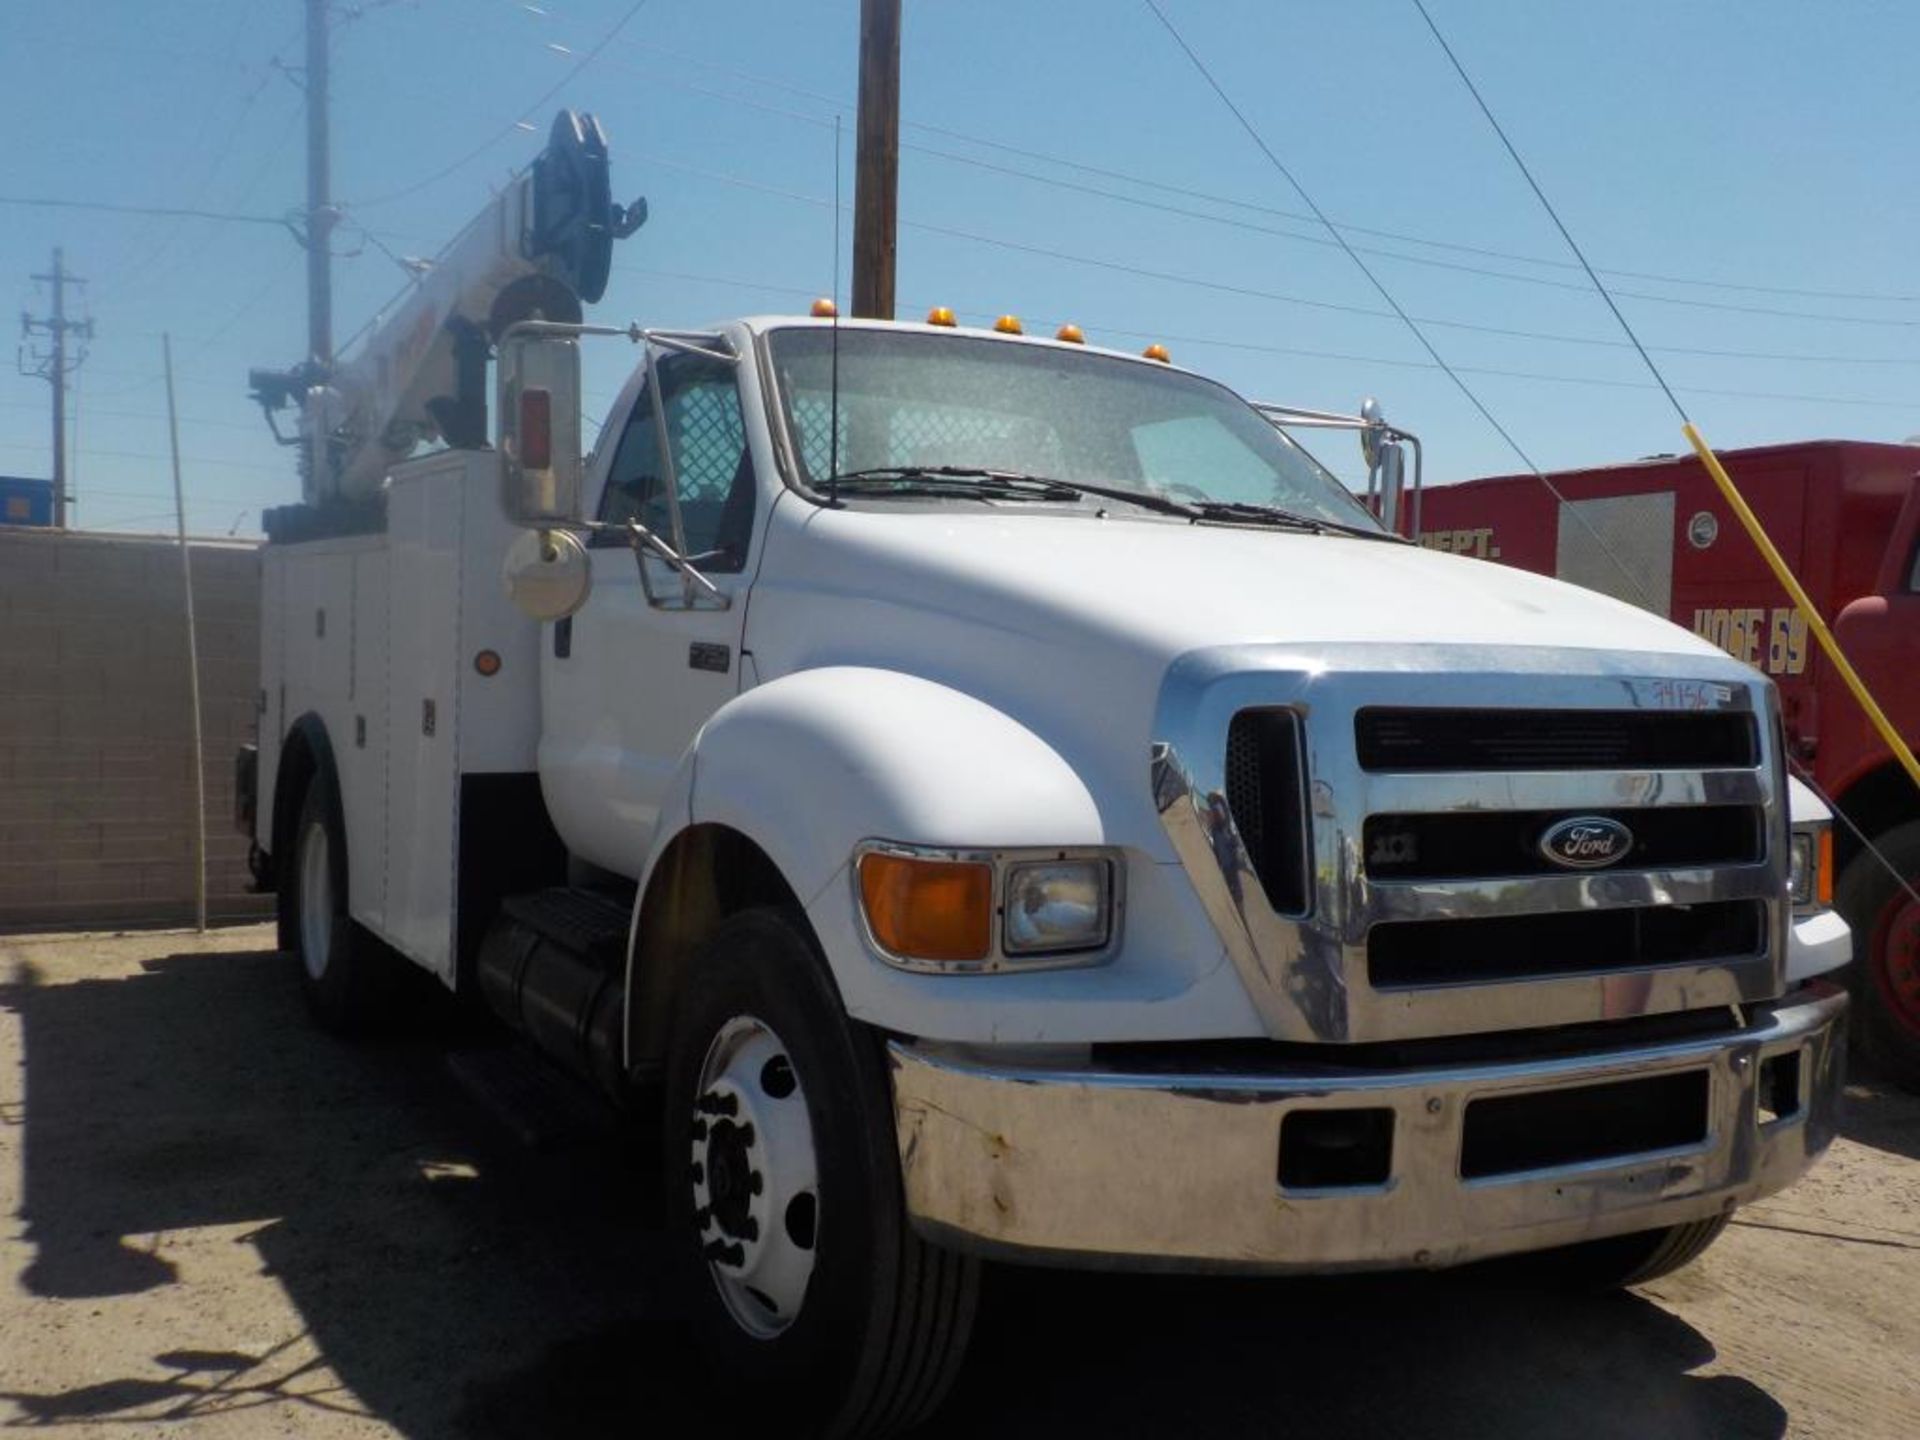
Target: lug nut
[[754, 1183], [721, 1253], [699, 1130]]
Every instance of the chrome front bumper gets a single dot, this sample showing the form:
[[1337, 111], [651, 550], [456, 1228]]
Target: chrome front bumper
[[1181, 1170]]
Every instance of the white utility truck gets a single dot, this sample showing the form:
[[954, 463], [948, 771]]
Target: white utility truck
[[988, 796]]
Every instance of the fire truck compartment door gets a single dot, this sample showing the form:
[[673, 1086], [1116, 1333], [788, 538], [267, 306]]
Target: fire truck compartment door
[[1620, 545]]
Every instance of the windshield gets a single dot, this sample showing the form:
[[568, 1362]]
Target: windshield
[[917, 400]]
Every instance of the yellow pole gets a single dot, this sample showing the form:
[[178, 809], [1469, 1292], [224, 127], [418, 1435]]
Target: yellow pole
[[1781, 572]]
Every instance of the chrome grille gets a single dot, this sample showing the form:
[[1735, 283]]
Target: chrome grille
[[1267, 804], [1499, 740], [1465, 757]]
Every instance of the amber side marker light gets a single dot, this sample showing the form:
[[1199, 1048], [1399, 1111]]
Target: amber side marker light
[[1009, 325], [942, 315], [1157, 351], [940, 910], [1071, 334], [824, 309], [1823, 872], [487, 662]]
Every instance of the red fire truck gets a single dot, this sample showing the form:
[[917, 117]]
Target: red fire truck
[[1846, 515]]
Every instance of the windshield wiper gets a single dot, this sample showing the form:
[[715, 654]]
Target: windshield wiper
[[962, 481], [986, 483], [924, 479], [1280, 517]]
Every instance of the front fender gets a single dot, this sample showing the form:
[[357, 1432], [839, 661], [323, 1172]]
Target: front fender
[[813, 763], [809, 765]]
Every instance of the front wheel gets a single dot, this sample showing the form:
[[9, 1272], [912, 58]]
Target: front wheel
[[1622, 1260], [1885, 977], [809, 1294]]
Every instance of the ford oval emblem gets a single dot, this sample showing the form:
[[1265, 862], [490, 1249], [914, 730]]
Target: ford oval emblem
[[1586, 842]]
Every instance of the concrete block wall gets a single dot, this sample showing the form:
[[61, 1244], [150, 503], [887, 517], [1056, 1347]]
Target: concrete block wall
[[96, 775]]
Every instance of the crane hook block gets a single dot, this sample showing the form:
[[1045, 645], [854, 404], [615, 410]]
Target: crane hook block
[[575, 221]]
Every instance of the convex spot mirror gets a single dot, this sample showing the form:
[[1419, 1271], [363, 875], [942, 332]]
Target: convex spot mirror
[[540, 429], [548, 574]]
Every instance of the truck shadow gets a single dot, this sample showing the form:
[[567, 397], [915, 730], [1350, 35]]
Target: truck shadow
[[1882, 1115], [443, 1281]]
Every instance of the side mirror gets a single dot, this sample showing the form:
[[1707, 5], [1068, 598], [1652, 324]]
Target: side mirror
[[1371, 431], [547, 574], [540, 430]]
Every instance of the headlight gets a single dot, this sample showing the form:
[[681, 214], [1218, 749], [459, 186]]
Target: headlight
[[1056, 906], [1810, 873], [979, 911]]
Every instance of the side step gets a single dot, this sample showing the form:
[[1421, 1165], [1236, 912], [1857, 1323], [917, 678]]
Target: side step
[[554, 968], [540, 1107]]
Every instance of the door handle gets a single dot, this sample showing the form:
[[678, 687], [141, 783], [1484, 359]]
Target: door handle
[[563, 637]]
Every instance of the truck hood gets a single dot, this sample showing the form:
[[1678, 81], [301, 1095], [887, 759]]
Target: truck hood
[[1167, 587], [1068, 623]]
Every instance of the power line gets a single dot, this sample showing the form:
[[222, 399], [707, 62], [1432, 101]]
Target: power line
[[1249, 291], [1386, 295], [1094, 325], [513, 125], [1552, 213], [171, 212], [1579, 287], [150, 455], [1211, 197]]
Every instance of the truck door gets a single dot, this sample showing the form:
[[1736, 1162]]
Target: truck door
[[628, 681]]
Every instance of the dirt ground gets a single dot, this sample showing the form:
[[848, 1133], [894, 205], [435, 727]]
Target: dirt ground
[[221, 1223]]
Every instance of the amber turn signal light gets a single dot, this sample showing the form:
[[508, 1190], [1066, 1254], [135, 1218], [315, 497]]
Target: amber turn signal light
[[923, 909], [1823, 872]]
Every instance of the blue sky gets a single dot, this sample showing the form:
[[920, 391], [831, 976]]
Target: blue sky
[[1755, 144]]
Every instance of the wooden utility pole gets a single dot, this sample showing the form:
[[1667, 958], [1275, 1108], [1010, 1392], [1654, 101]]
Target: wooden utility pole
[[320, 212], [876, 181]]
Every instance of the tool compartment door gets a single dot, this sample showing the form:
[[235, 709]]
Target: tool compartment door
[[424, 514]]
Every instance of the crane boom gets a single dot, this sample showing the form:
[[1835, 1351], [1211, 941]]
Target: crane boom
[[541, 248]]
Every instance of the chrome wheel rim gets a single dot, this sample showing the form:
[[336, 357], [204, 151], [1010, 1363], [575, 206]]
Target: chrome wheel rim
[[316, 899], [754, 1176]]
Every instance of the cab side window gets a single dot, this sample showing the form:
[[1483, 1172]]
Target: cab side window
[[713, 467]]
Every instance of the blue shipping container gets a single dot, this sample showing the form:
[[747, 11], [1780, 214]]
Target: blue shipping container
[[24, 501]]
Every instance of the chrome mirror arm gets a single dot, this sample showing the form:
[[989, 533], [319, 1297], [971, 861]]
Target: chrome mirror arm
[[642, 540]]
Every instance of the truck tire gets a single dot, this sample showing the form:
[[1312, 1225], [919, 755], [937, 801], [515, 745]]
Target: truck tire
[[1885, 975], [808, 1293], [1622, 1260], [338, 971]]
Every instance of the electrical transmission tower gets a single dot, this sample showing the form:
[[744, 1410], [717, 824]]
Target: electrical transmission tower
[[54, 364]]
